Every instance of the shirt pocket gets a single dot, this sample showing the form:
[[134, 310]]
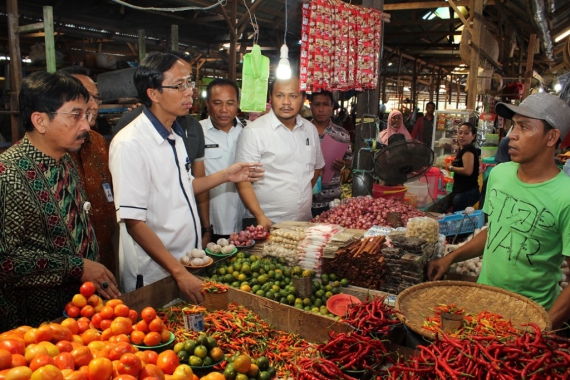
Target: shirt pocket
[[309, 156], [212, 153]]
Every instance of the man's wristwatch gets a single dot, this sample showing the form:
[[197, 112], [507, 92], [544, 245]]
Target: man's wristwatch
[[208, 229]]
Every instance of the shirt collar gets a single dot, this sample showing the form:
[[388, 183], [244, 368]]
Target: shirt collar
[[210, 125], [274, 121], [160, 128], [36, 154]]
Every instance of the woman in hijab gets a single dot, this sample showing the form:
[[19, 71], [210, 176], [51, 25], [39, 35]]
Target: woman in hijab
[[395, 125]]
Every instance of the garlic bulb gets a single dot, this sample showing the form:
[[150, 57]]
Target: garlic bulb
[[222, 242], [215, 249], [197, 253], [196, 262], [185, 260], [210, 246]]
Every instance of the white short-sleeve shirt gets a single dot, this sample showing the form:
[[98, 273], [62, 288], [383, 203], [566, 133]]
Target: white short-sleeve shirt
[[289, 158], [226, 207], [152, 183]]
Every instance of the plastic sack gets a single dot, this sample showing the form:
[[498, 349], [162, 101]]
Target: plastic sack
[[424, 228], [254, 81]]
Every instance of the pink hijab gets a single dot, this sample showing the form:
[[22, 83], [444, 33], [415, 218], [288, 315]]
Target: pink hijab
[[385, 134]]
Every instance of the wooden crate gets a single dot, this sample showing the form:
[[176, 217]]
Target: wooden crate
[[310, 326]]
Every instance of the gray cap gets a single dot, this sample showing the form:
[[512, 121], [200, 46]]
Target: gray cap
[[541, 106]]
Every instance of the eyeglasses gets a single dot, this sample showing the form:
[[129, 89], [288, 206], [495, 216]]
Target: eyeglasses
[[77, 116], [96, 98], [183, 86]]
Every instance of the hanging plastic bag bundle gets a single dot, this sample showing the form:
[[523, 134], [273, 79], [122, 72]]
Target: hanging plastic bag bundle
[[254, 76]]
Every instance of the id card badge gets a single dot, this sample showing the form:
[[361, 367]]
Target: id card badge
[[108, 192]]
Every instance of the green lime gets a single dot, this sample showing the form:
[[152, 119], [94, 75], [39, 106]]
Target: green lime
[[235, 284], [283, 300], [229, 372], [262, 363], [316, 285], [222, 271], [211, 343], [202, 339], [260, 293], [190, 345], [272, 371], [246, 269], [195, 361], [183, 356], [290, 299], [262, 279], [269, 294], [332, 277], [344, 282], [178, 347], [255, 288], [299, 306], [201, 351], [307, 301], [207, 361], [271, 274], [228, 278]]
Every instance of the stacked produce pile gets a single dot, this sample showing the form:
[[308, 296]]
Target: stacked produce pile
[[361, 262], [522, 355], [284, 243], [270, 277], [311, 249], [365, 212], [406, 262], [239, 330]]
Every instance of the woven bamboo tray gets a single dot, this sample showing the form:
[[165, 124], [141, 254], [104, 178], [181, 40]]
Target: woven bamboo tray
[[417, 302]]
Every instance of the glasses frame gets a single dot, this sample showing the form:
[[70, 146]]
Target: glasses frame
[[86, 115], [97, 98], [183, 86]]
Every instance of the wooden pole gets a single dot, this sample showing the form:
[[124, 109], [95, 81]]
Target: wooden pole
[[49, 39], [15, 65], [414, 83], [233, 43], [475, 48], [529, 64], [142, 45], [174, 37]]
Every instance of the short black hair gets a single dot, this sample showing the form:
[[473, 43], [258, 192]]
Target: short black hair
[[179, 54], [432, 103], [45, 92], [325, 93], [74, 70], [471, 127], [272, 84], [150, 74], [221, 82]]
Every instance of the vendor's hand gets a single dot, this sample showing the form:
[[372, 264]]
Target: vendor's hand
[[437, 268], [191, 287], [265, 222], [338, 165], [98, 274], [206, 238], [134, 106], [244, 172]]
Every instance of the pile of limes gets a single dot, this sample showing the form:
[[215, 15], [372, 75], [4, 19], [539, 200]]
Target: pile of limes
[[270, 277], [243, 367], [202, 352]]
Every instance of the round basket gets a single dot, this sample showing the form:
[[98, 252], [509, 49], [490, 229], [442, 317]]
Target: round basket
[[418, 301], [216, 301]]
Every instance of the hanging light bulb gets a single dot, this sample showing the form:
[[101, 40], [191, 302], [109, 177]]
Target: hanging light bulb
[[284, 67]]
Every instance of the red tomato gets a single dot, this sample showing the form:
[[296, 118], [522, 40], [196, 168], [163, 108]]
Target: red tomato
[[100, 369], [96, 320], [5, 359], [152, 371], [87, 289], [129, 364], [69, 374], [72, 311], [64, 346], [124, 377], [64, 361], [40, 361], [18, 360], [19, 373], [82, 356], [119, 350], [47, 372], [148, 314], [168, 361], [12, 345], [152, 356], [133, 316]]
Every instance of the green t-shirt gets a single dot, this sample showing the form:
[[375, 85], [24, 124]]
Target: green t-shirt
[[528, 235]]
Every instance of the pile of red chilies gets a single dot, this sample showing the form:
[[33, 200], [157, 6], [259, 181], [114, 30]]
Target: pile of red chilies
[[524, 356], [319, 369], [372, 316], [354, 352]]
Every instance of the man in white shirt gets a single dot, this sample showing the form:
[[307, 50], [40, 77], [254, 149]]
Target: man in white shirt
[[221, 131], [289, 148], [154, 188]]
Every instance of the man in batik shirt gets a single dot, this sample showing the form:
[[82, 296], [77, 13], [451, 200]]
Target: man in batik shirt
[[322, 105], [47, 242]]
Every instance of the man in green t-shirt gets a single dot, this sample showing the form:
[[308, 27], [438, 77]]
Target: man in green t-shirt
[[528, 209]]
